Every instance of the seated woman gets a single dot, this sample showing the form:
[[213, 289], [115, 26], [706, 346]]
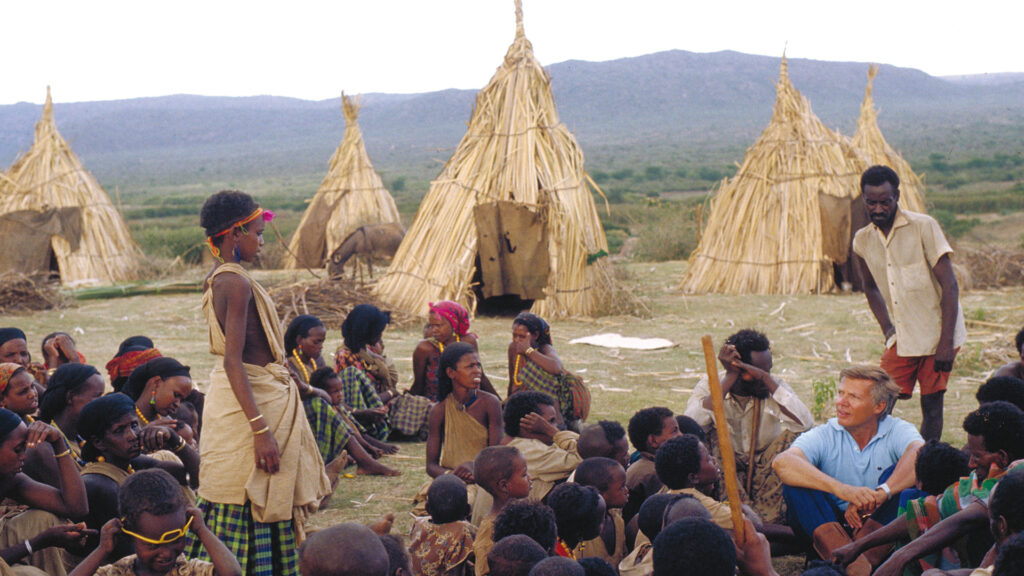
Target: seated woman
[[464, 421], [113, 442], [37, 532], [332, 423], [533, 363], [133, 352], [58, 350], [447, 323], [69, 389], [14, 348], [18, 394]]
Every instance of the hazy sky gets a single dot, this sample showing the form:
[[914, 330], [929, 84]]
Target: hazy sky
[[115, 49]]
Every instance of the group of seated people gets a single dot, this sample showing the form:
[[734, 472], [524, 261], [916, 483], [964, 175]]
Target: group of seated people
[[103, 483]]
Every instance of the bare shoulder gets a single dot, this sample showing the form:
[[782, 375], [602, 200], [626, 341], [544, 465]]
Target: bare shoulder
[[424, 347], [470, 339], [489, 400]]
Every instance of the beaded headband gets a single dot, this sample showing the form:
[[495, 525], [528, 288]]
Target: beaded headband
[[267, 217]]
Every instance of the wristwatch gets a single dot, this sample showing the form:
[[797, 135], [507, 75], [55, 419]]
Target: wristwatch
[[884, 487]]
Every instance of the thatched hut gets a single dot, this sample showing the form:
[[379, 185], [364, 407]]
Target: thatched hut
[[873, 149], [513, 206], [88, 242], [781, 224], [351, 195]]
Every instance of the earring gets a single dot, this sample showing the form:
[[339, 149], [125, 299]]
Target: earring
[[152, 399], [238, 254]]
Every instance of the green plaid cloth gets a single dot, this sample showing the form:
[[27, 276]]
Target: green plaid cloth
[[361, 395], [408, 413], [261, 549], [330, 431], [532, 377]]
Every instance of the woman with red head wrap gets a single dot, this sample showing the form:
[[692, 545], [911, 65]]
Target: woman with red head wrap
[[447, 323]]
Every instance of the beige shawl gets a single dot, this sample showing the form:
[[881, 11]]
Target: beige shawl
[[227, 470]]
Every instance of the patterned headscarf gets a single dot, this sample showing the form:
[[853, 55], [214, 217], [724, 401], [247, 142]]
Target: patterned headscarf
[[122, 366], [7, 371], [454, 314]]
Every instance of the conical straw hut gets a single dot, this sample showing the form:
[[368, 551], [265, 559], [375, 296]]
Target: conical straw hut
[[871, 145], [779, 224], [513, 204], [351, 195], [50, 177]]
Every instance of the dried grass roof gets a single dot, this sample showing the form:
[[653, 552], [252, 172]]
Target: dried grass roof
[[871, 144], [50, 175], [515, 149], [351, 195], [776, 226]]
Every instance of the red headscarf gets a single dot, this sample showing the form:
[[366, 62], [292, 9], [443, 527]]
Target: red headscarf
[[122, 366], [7, 371], [454, 314]]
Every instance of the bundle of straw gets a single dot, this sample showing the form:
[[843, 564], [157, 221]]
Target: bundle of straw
[[872, 149], [515, 149], [777, 226], [50, 175], [351, 195]]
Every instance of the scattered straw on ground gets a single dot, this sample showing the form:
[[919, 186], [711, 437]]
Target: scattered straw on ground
[[992, 267], [21, 293], [330, 300]]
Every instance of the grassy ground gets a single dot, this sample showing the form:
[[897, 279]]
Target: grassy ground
[[812, 338]]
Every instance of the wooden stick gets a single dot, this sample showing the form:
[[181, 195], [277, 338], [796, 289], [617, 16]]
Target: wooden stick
[[732, 489], [752, 454]]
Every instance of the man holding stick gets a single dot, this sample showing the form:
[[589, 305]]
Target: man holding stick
[[852, 467], [764, 415]]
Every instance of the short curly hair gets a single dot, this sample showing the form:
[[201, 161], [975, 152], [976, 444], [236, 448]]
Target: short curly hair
[[528, 517], [688, 425], [649, 518], [676, 459], [594, 566], [646, 422], [747, 341], [320, 377], [223, 209], [596, 471], [599, 439], [577, 514], [514, 555], [520, 404], [939, 465], [493, 464], [152, 490], [1001, 427], [447, 499], [694, 542], [1005, 388], [398, 555], [1010, 561]]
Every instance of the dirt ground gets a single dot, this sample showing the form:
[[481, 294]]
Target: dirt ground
[[813, 337]]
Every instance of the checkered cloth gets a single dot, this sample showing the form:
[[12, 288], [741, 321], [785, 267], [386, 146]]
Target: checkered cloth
[[408, 414], [261, 549], [531, 376], [330, 431], [360, 395]]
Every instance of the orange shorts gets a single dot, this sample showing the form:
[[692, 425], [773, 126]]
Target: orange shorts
[[906, 371]]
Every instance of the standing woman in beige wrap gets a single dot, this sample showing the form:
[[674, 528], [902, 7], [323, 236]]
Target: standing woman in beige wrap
[[256, 444]]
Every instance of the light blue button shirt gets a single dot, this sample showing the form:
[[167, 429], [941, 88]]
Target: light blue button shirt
[[831, 449]]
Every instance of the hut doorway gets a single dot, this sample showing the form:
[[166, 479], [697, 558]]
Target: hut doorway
[[512, 264]]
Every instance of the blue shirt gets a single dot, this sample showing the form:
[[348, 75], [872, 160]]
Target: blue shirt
[[831, 449]]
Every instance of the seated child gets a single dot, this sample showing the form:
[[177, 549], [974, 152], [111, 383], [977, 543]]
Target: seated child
[[532, 420], [1010, 561], [692, 542], [609, 478], [399, 562], [348, 549], [514, 555], [607, 438], [501, 471], [558, 566], [685, 506], [153, 516], [443, 543], [684, 465], [531, 518], [579, 512], [639, 562], [1006, 388], [648, 429]]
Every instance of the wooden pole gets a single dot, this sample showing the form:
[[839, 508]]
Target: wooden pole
[[732, 489], [752, 453]]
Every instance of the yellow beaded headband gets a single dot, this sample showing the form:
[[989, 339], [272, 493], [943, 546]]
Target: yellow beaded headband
[[166, 537], [267, 217]]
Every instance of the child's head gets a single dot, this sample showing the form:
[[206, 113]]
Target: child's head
[[1010, 561], [939, 465], [686, 506], [399, 562], [187, 418], [514, 555], [1006, 388], [688, 425], [1006, 506], [606, 438], [694, 542], [153, 515], [501, 471], [683, 462], [557, 566], [652, 511], [607, 476], [528, 517], [348, 549], [522, 403], [327, 380], [595, 566], [651, 427], [995, 435], [447, 500], [579, 512]]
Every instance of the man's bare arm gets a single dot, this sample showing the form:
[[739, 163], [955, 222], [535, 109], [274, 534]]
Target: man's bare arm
[[950, 305]]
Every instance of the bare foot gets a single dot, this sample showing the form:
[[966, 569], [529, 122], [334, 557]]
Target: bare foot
[[374, 468], [374, 451], [388, 448], [382, 526], [335, 467]]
